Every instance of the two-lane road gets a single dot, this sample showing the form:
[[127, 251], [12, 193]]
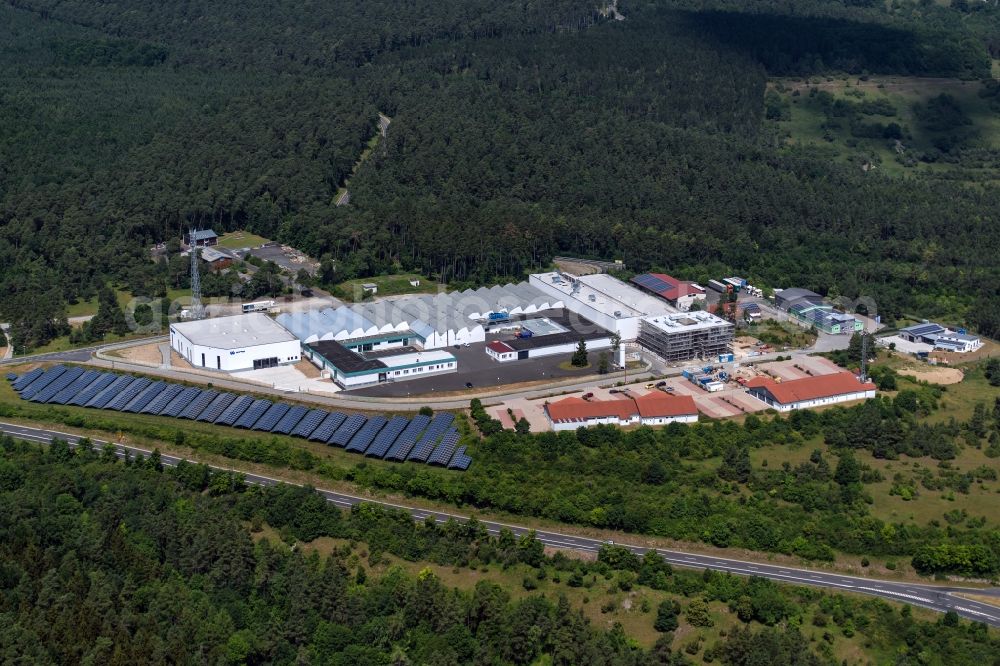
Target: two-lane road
[[934, 597]]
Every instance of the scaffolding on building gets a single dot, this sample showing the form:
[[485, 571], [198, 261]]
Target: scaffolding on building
[[678, 338]]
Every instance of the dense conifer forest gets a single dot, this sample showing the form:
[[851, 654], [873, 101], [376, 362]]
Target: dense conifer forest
[[109, 562], [520, 131]]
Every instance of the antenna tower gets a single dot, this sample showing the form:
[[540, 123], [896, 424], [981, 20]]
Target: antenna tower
[[197, 312], [864, 356]]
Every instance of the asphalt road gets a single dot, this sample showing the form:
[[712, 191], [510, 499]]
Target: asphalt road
[[81, 355], [941, 599]]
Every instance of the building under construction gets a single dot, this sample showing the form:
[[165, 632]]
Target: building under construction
[[686, 335]]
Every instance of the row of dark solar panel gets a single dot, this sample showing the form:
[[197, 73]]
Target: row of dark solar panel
[[460, 461], [419, 439], [651, 282]]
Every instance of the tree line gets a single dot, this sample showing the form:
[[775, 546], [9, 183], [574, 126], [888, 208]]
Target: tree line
[[129, 562], [520, 131]]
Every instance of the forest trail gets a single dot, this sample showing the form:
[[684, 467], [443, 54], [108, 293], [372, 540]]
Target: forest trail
[[898, 84], [343, 196]]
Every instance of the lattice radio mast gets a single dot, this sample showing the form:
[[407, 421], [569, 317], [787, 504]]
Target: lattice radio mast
[[864, 356], [197, 311]]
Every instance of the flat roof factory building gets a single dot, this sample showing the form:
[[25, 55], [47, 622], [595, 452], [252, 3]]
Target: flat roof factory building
[[547, 336], [610, 303], [231, 344]]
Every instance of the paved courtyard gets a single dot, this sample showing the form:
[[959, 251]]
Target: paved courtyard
[[475, 367], [288, 378]]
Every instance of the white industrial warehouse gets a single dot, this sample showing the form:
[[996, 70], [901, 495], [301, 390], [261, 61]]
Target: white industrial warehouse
[[546, 336], [602, 299], [231, 344], [432, 322]]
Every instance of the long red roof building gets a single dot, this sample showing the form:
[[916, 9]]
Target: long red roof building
[[651, 409], [810, 391]]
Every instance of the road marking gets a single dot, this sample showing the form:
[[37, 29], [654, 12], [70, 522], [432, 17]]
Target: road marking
[[974, 612]]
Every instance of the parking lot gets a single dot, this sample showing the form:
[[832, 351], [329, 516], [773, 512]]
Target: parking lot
[[475, 367], [801, 367], [285, 257]]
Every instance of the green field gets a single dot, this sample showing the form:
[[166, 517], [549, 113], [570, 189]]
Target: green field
[[238, 239], [88, 308], [778, 334], [811, 125], [388, 285]]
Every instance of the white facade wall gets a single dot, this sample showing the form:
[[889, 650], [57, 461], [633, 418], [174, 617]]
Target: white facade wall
[[818, 402], [664, 420], [957, 344], [684, 302], [626, 327], [614, 420], [589, 423], [435, 368], [501, 357], [233, 360], [349, 381], [569, 348]]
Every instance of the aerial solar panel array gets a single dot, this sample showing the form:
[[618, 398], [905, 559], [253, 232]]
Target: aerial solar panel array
[[425, 445], [162, 399], [198, 404], [408, 438], [460, 460], [293, 416], [325, 430], [254, 412], [269, 419], [352, 424], [398, 438], [231, 414], [380, 445], [145, 397], [216, 408], [360, 442], [181, 402], [309, 423], [445, 450]]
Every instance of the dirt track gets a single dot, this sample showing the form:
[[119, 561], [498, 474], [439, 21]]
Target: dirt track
[[934, 375], [899, 85]]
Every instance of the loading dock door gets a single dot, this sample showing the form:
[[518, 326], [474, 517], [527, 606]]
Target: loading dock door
[[522, 354]]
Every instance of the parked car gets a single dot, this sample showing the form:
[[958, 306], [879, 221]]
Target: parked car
[[661, 384], [614, 390], [588, 396]]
